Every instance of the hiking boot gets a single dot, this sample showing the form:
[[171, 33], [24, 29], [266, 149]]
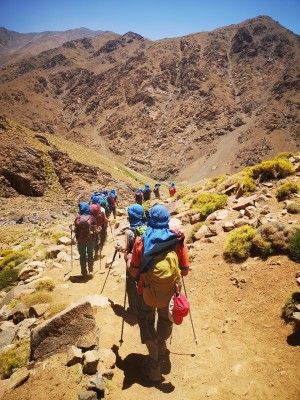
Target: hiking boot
[[91, 269], [84, 273], [162, 348], [152, 370]]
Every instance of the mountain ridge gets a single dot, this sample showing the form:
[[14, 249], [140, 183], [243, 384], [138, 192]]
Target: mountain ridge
[[177, 100]]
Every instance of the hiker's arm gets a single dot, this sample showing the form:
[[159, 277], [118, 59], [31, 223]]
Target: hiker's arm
[[134, 259], [183, 258]]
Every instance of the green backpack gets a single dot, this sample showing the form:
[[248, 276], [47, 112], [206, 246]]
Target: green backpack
[[160, 280]]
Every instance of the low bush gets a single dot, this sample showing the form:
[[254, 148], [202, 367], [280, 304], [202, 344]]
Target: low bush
[[39, 297], [207, 203], [55, 308], [271, 169], [294, 246], [239, 242], [293, 208], [286, 190], [8, 278], [290, 306], [12, 258], [261, 246], [14, 358], [278, 234], [46, 284]]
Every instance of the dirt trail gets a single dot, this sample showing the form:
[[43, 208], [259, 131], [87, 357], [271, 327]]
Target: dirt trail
[[244, 349]]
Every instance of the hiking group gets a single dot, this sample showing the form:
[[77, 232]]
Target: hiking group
[[90, 227], [156, 261]]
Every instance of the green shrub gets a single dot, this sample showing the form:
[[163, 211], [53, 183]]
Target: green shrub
[[55, 308], [207, 203], [239, 242], [271, 169], [46, 284], [14, 358], [277, 234], [261, 246], [286, 190], [39, 297], [294, 246], [293, 208], [12, 258], [290, 306], [249, 185], [8, 278]]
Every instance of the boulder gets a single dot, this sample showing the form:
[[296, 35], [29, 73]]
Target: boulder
[[62, 330], [244, 202]]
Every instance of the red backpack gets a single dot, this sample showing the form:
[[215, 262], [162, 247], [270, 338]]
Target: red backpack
[[85, 228]]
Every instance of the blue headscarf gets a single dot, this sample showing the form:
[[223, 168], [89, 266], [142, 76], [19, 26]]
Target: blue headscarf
[[84, 208], [105, 192], [158, 227], [135, 215], [172, 184], [112, 193], [147, 186]]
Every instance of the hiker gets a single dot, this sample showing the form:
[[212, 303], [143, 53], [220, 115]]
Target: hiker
[[156, 190], [138, 226], [147, 192], [139, 196], [112, 201], [101, 200], [163, 251], [101, 221], [172, 189], [85, 228]]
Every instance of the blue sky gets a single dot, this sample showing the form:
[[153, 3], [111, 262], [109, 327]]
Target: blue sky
[[154, 19]]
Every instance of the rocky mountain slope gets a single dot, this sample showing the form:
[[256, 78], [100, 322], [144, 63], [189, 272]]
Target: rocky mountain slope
[[205, 104], [14, 45]]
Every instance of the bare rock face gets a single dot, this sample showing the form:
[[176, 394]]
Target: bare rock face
[[63, 330], [23, 170]]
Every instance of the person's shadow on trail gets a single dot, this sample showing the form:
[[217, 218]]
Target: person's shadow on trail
[[129, 318], [80, 278], [294, 339], [132, 368]]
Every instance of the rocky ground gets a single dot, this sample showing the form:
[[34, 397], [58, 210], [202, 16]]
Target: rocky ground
[[237, 347]]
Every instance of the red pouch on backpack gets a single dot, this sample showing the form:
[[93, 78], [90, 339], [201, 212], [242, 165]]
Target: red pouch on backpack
[[180, 307]]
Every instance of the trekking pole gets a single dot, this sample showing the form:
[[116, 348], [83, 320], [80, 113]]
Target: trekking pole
[[123, 318], [68, 272], [112, 233], [109, 270], [195, 338]]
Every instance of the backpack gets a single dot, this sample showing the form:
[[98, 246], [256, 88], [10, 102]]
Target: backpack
[[139, 197], [160, 281], [137, 231], [101, 200], [147, 194], [85, 228], [178, 307]]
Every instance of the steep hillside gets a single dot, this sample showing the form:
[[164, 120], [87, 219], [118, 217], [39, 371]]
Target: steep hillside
[[57, 171], [184, 108]]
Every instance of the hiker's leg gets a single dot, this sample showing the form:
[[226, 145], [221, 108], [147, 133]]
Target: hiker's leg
[[131, 291], [164, 329], [164, 325], [146, 320], [82, 257], [90, 251], [103, 236]]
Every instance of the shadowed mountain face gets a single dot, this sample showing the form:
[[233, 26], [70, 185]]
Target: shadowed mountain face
[[189, 107]]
